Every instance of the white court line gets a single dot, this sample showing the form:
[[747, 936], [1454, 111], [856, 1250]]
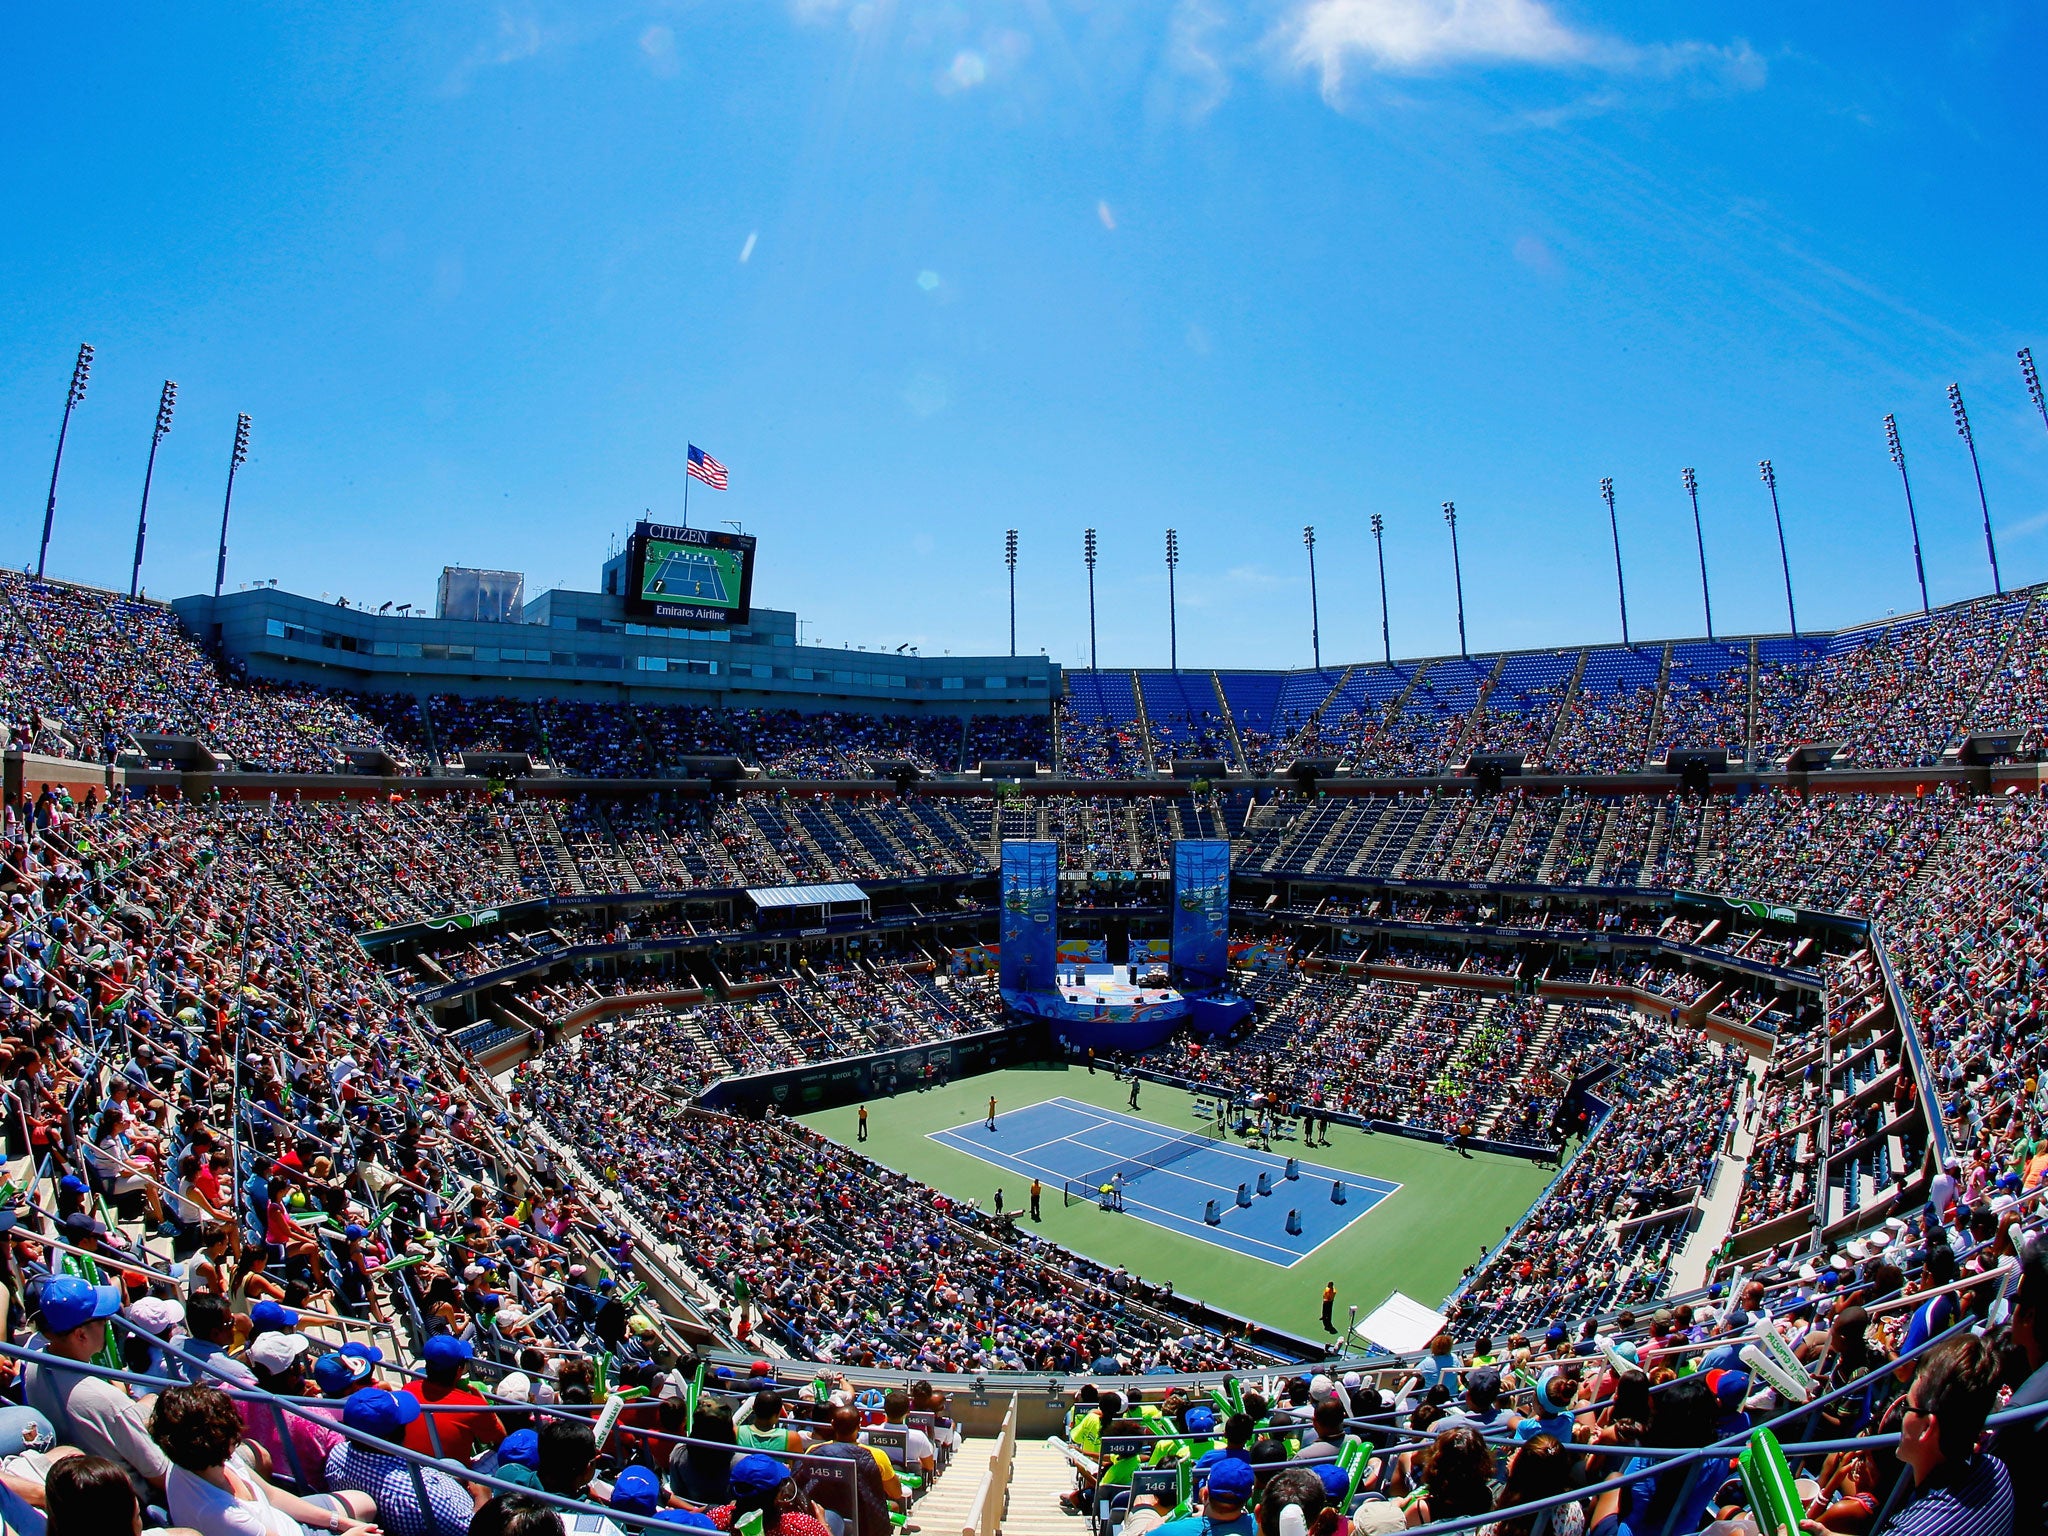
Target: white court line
[[1171, 1220], [1242, 1154]]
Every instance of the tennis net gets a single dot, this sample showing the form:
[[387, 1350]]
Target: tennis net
[[1168, 1152]]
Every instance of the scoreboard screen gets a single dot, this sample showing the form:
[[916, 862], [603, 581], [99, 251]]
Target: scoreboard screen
[[689, 576]]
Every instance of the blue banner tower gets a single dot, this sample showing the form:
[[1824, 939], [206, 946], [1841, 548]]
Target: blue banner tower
[[1201, 912], [1031, 889]]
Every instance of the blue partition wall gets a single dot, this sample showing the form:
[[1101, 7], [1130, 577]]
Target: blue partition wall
[[1031, 886], [1201, 912]]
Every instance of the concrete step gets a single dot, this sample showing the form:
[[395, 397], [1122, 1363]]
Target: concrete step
[[1037, 1479], [947, 1509]]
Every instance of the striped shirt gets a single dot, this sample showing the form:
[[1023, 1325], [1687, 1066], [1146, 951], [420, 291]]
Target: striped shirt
[[1967, 1498]]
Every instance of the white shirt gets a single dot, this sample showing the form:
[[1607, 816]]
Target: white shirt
[[213, 1511]]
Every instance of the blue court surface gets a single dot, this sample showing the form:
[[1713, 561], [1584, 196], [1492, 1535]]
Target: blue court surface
[[688, 573], [1061, 1140]]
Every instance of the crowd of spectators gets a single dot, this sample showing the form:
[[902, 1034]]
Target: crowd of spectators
[[90, 672], [842, 1260]]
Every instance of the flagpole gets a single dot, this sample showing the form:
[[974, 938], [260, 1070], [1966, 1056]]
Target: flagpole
[[686, 487]]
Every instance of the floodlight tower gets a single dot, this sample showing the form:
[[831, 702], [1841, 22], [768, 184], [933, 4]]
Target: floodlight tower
[[2033, 383], [1770, 479], [1457, 574], [1898, 452], [1315, 623], [1379, 539], [81, 372], [1172, 624], [1620, 586], [166, 403], [1955, 404], [1010, 559], [1692, 489], [235, 461], [1088, 559]]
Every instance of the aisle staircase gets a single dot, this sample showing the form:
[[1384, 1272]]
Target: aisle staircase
[[1038, 1477]]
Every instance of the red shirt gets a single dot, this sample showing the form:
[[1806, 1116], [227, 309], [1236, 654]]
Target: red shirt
[[458, 1431], [791, 1523]]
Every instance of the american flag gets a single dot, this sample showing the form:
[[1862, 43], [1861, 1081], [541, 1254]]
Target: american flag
[[706, 468]]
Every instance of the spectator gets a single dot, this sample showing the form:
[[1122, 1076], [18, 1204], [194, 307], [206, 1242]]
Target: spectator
[[509, 1514], [1223, 1504], [279, 1360], [762, 1484], [388, 1479], [101, 1418], [1957, 1490], [198, 1429], [444, 1386], [1457, 1470], [868, 1499], [91, 1496], [702, 1473]]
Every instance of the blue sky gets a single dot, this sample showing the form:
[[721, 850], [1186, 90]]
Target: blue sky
[[920, 272]]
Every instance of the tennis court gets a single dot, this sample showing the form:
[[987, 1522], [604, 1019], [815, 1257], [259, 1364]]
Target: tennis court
[[688, 573], [1169, 1177]]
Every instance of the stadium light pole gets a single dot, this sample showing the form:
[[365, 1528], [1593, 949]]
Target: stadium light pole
[[1770, 479], [81, 372], [1010, 559], [1457, 575], [1614, 525], [164, 405], [1088, 558], [1315, 620], [1379, 530], [235, 461], [1692, 489], [1172, 623], [1955, 404], [1898, 452], [2033, 383]]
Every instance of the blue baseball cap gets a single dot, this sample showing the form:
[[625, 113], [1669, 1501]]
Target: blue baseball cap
[[522, 1448], [446, 1349], [377, 1412], [757, 1474], [354, 1232], [1231, 1479], [75, 1184], [268, 1314], [637, 1490], [1729, 1387], [339, 1375], [369, 1352], [1336, 1481], [68, 1302], [1201, 1421]]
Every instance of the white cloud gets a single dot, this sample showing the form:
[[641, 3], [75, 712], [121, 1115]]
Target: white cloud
[[658, 50], [518, 35], [747, 250], [1424, 34], [967, 70], [1191, 51], [1105, 214], [1419, 36], [1535, 254]]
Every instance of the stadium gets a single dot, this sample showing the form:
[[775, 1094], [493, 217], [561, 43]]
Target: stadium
[[590, 1055], [1533, 992]]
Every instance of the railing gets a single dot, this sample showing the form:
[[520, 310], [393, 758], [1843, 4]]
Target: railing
[[992, 1496], [1916, 1055]]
